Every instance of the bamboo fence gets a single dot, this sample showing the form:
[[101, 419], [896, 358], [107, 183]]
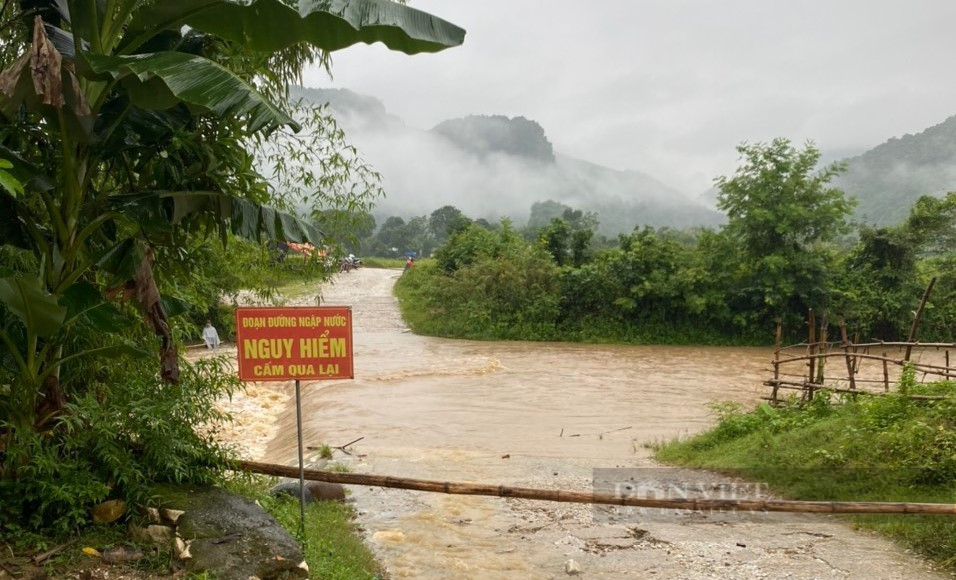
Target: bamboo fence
[[866, 368]]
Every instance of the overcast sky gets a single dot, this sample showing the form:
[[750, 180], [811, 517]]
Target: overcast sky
[[671, 87]]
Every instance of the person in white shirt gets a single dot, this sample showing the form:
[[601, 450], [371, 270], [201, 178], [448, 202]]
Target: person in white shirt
[[210, 335]]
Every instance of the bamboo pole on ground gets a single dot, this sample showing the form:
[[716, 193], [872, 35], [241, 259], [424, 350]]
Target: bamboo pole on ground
[[705, 505]]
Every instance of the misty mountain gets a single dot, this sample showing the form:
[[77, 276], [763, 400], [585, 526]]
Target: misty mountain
[[889, 178], [494, 166], [487, 134]]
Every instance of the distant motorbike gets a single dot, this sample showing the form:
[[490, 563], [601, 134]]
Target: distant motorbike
[[349, 263]]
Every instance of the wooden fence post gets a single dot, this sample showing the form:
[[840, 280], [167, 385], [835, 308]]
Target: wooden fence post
[[823, 347], [917, 316], [777, 341], [811, 350], [886, 373], [846, 351]]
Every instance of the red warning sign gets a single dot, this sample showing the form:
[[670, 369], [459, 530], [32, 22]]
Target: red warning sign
[[308, 343]]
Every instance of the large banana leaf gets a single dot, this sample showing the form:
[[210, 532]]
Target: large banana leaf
[[39, 311], [270, 25], [85, 305], [160, 80]]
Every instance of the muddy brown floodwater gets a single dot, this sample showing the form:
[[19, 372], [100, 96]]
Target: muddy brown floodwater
[[540, 415]]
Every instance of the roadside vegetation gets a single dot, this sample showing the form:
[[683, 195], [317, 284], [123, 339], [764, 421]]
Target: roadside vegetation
[[845, 448], [151, 165]]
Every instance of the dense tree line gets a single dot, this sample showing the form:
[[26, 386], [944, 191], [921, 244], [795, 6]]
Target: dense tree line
[[788, 247]]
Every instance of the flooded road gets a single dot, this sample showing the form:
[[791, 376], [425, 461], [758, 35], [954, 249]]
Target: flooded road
[[535, 400], [541, 415]]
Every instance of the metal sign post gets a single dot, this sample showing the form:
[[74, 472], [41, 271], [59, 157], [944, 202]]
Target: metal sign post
[[298, 428]]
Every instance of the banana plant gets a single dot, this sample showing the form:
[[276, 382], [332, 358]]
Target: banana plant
[[92, 110]]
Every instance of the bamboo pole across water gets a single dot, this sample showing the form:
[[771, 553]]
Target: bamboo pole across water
[[703, 505]]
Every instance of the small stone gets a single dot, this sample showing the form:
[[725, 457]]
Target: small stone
[[170, 516], [181, 548], [572, 568]]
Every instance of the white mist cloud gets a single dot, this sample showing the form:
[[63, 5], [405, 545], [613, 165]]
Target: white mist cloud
[[670, 87], [424, 170]]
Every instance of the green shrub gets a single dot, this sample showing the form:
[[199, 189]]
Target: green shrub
[[118, 437], [465, 247], [511, 294]]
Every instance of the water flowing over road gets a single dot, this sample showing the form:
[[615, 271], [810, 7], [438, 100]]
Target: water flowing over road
[[539, 415]]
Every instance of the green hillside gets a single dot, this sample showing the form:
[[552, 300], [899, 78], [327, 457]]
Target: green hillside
[[888, 179]]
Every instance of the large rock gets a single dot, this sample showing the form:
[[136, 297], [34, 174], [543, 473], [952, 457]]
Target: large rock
[[109, 511], [234, 538]]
